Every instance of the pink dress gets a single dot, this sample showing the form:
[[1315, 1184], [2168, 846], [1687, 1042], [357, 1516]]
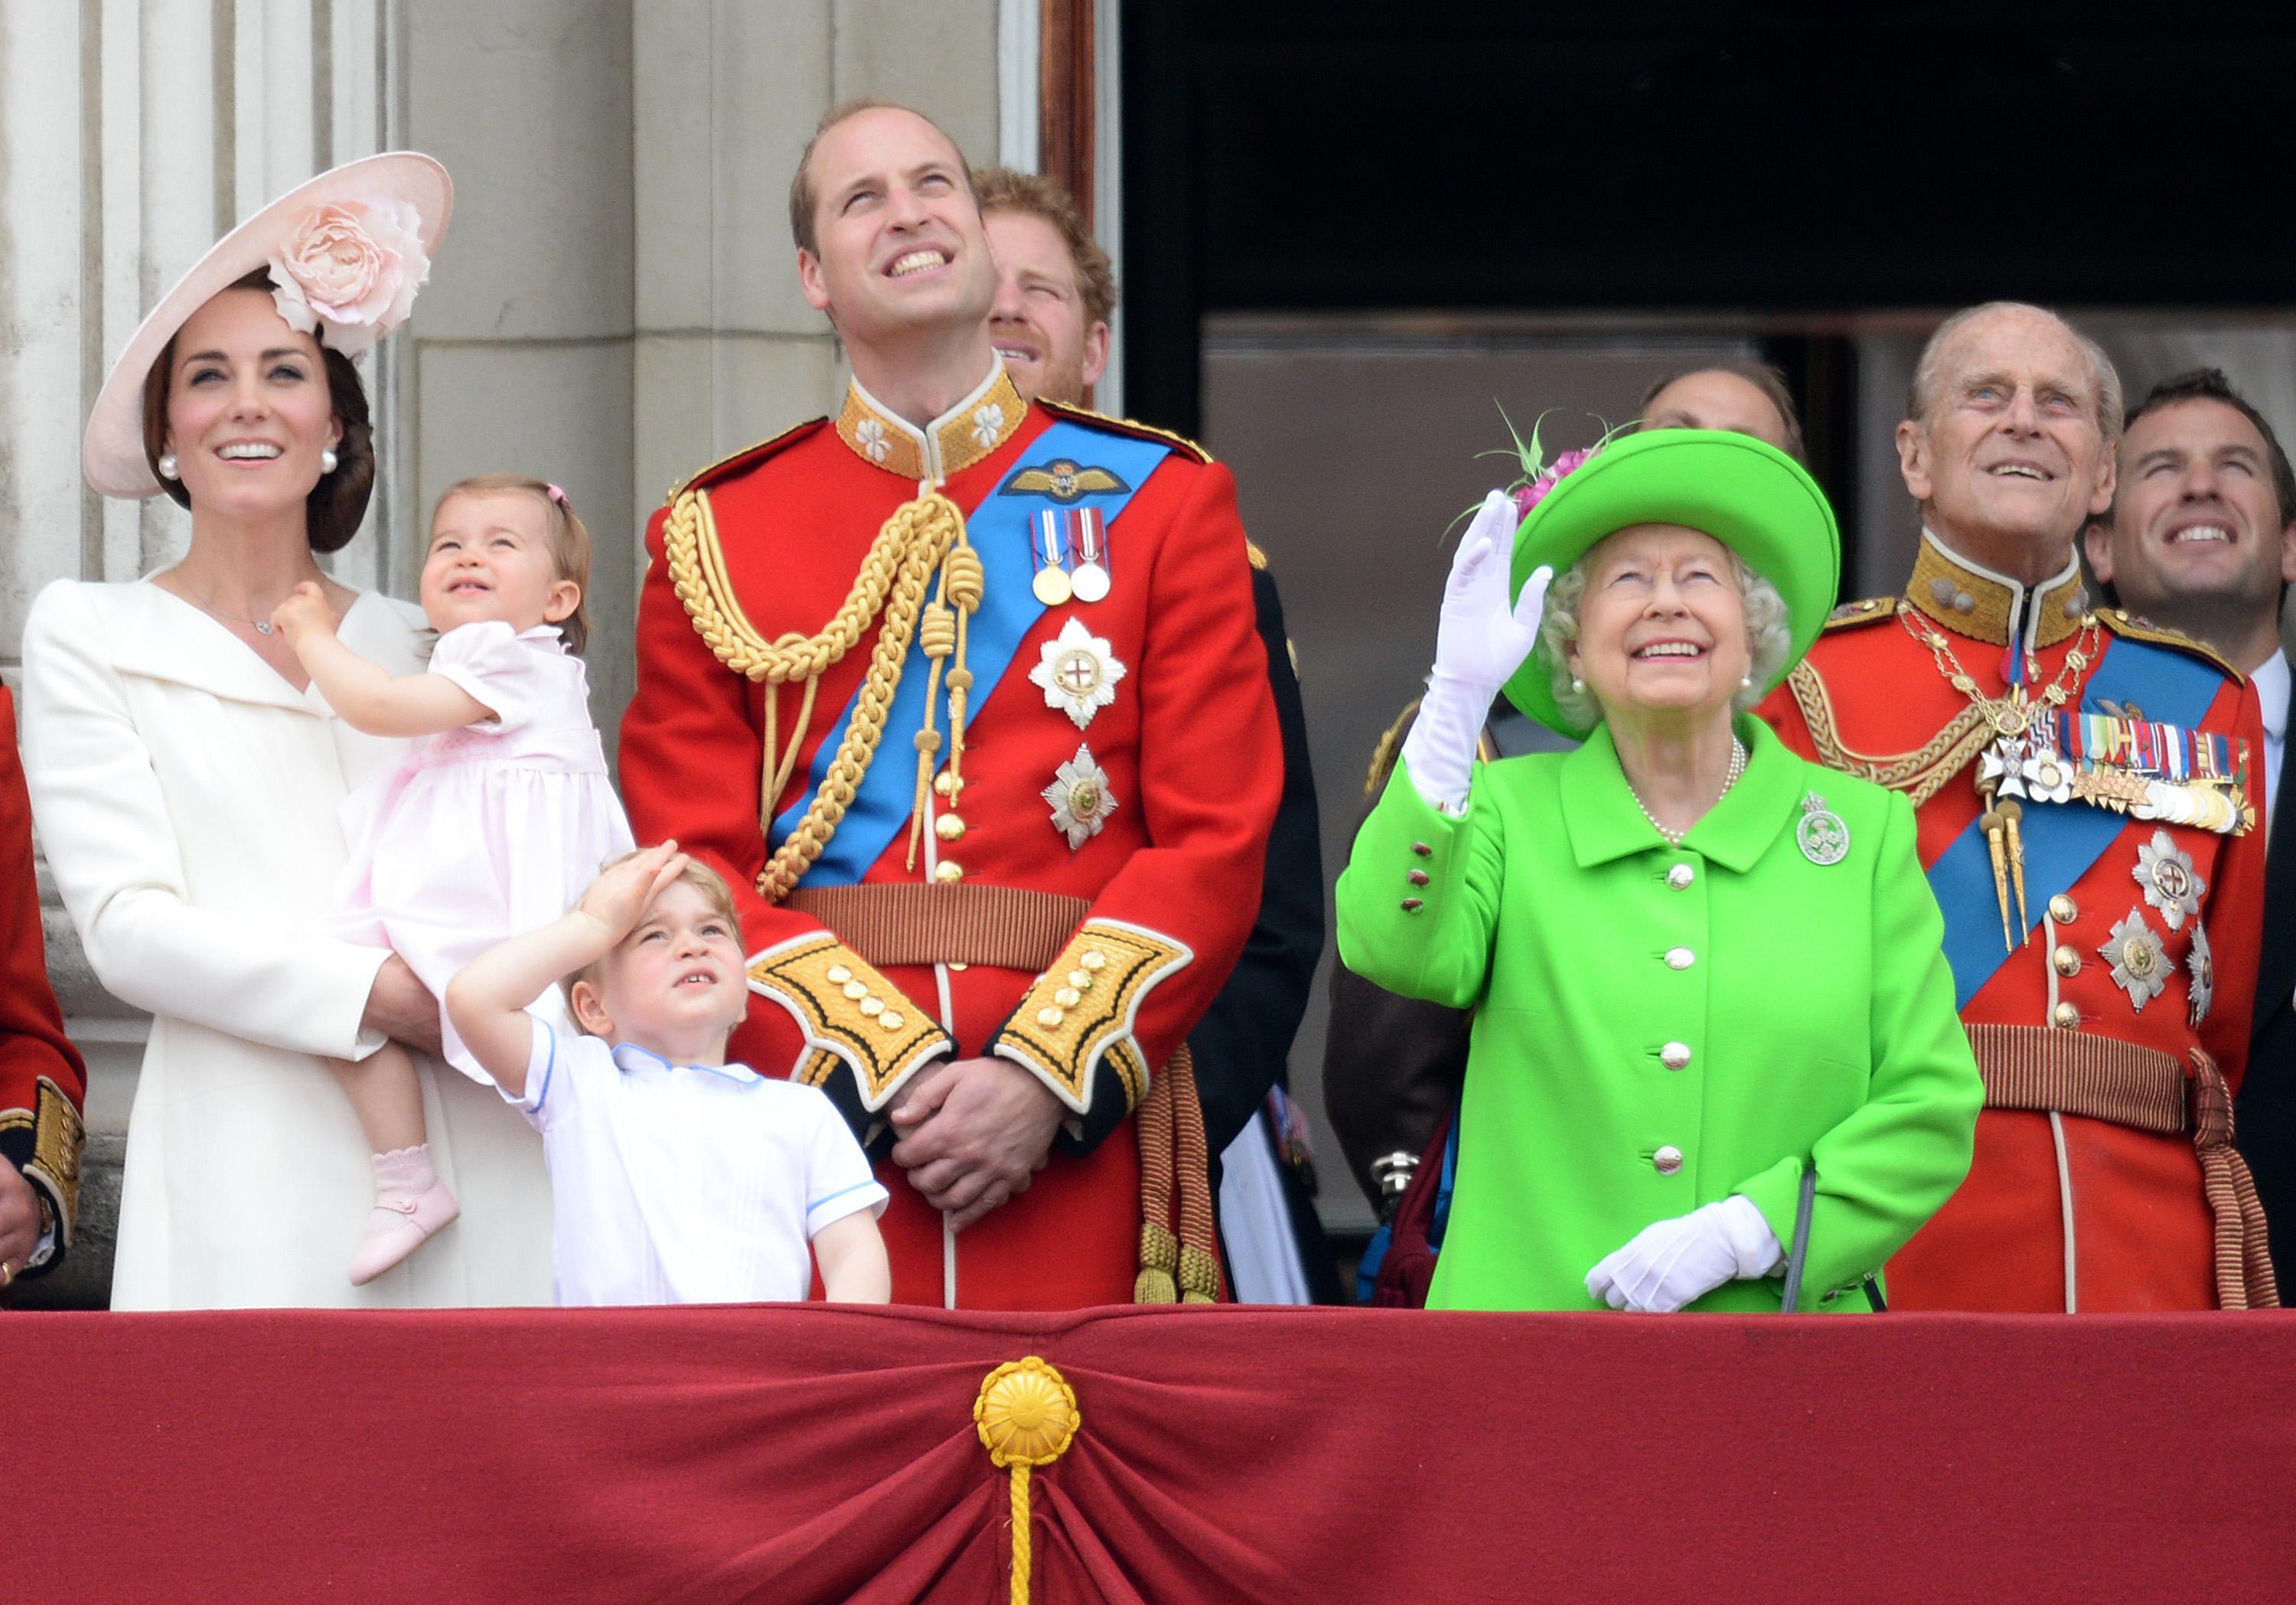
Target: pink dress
[[488, 831]]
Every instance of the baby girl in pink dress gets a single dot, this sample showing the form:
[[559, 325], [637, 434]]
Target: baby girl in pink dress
[[498, 813]]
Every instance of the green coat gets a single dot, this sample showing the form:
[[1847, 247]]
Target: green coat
[[1814, 1000]]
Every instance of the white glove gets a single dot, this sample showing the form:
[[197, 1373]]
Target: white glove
[[1670, 1263], [1481, 640]]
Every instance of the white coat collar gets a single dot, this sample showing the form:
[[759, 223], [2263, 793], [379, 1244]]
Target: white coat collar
[[158, 636]]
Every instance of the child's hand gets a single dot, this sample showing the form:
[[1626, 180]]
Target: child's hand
[[618, 899], [304, 613]]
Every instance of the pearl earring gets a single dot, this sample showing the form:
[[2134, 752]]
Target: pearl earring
[[1576, 684], [166, 465], [1745, 682], [328, 460]]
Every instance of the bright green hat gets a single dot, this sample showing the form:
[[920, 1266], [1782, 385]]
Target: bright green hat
[[1743, 492]]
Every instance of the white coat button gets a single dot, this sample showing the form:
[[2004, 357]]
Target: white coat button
[[1675, 1055], [1667, 1161], [1680, 958], [1680, 877]]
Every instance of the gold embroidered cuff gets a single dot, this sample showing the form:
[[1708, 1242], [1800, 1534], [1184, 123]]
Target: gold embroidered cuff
[[849, 1013], [1080, 1010], [51, 1166]]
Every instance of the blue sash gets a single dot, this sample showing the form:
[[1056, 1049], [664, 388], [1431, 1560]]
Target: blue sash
[[999, 530], [2061, 839]]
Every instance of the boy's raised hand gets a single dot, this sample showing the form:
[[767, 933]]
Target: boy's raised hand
[[618, 899]]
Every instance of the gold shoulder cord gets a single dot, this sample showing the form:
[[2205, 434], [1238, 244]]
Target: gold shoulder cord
[[922, 537]]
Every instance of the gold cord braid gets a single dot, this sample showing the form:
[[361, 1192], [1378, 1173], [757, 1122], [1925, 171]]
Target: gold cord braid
[[943, 636], [901, 563], [1921, 774]]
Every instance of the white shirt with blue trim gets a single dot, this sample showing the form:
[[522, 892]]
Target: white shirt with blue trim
[[685, 1184]]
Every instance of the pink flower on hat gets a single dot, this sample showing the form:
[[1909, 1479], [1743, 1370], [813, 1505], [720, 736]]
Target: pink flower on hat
[[353, 266], [1531, 492]]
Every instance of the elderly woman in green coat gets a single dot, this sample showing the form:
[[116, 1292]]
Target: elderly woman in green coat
[[1700, 966]]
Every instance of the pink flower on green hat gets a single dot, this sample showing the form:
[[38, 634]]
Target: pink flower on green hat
[[1533, 491], [350, 271]]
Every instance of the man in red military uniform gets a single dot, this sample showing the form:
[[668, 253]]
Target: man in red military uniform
[[965, 695], [2088, 790], [43, 1082]]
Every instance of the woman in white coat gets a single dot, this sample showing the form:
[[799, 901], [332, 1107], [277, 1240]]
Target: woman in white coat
[[187, 780]]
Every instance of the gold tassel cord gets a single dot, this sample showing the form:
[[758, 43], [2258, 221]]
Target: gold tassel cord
[[2010, 813], [1996, 847], [1026, 1416], [908, 551]]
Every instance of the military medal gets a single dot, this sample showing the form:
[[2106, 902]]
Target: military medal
[[2165, 872], [1048, 538], [2140, 963], [1081, 799], [1820, 833], [1091, 533], [2202, 965], [1078, 673]]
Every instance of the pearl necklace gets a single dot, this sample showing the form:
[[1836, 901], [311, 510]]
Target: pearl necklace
[[1674, 837]]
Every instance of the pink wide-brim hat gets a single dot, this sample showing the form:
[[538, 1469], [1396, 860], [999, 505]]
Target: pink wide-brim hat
[[111, 452]]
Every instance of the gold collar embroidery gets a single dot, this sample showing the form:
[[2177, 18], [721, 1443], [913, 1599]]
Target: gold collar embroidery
[[952, 443], [1975, 603]]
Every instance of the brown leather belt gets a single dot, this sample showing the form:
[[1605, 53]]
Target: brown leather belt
[[2041, 1068], [961, 923]]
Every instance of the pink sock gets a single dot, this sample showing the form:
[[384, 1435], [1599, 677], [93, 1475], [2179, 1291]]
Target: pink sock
[[403, 1174]]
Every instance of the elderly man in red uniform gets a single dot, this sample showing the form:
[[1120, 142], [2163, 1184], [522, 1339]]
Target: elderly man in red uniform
[[42, 1080], [964, 694], [2088, 790]]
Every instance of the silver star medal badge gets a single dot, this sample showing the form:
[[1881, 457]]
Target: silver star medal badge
[[1820, 833], [1078, 673], [2202, 963], [2165, 871], [2140, 963], [1081, 799]]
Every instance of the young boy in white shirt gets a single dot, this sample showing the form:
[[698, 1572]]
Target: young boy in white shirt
[[679, 1178]]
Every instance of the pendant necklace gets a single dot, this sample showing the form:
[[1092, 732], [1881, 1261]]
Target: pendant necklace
[[1673, 837], [261, 626]]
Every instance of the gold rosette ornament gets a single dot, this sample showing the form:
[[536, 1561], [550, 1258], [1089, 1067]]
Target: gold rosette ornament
[[1026, 1416]]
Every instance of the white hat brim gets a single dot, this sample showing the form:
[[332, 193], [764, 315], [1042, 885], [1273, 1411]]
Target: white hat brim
[[111, 452]]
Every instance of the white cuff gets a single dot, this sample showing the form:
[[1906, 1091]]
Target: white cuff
[[1752, 1242], [1439, 752]]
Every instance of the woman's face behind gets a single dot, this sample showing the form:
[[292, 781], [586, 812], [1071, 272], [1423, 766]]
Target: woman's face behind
[[248, 411], [1663, 624]]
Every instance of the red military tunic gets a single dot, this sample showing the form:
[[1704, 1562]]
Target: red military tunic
[[1164, 780], [43, 1084], [2135, 972]]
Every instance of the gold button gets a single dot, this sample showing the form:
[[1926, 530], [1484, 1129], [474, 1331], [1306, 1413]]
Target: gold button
[[1049, 1016], [2065, 1015], [873, 1005], [2066, 960], [1675, 1055], [948, 827], [1094, 959], [1680, 877], [1680, 958], [839, 975], [1081, 979], [2062, 910], [1068, 998], [1667, 1161], [958, 964], [948, 870], [855, 991], [890, 1020], [945, 784]]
